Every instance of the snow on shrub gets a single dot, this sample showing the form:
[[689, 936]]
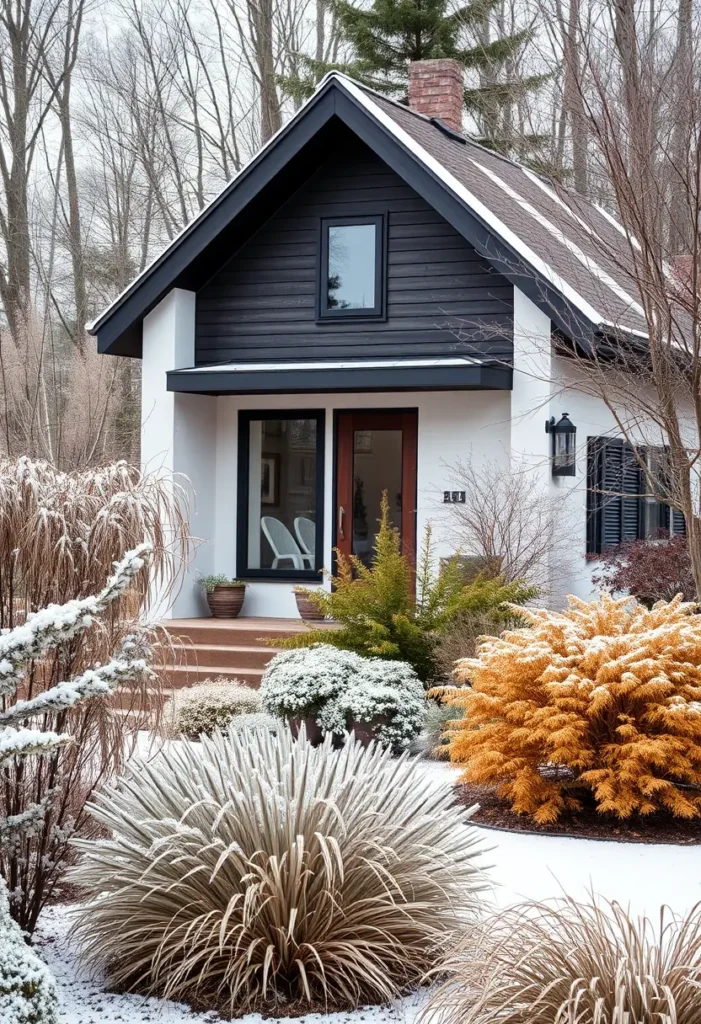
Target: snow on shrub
[[256, 720], [338, 687], [28, 993], [209, 705], [572, 963], [255, 871], [389, 692], [606, 694], [297, 684], [44, 631]]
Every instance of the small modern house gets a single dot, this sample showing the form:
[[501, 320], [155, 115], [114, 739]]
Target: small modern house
[[372, 299]]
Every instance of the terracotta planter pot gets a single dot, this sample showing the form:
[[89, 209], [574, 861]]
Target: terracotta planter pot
[[306, 609], [366, 731], [314, 733], [226, 602]]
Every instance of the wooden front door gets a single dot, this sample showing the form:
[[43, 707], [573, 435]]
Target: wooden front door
[[376, 452]]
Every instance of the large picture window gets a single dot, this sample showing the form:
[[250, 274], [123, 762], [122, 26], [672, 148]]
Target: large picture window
[[351, 278], [280, 494]]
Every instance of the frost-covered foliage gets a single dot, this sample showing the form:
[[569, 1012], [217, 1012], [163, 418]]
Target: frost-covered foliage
[[60, 535], [253, 871], [44, 631], [338, 688], [257, 720], [209, 705], [28, 993], [388, 692], [297, 684], [573, 963], [602, 700]]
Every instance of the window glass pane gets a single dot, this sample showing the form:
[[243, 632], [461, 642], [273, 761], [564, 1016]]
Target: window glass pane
[[282, 510], [351, 270], [377, 467]]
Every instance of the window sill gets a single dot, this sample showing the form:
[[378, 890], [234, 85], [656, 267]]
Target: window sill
[[281, 578]]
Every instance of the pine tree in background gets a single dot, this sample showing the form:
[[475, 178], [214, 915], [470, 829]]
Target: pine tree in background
[[390, 34]]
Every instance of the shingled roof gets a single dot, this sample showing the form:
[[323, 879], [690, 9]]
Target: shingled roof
[[570, 237], [569, 253]]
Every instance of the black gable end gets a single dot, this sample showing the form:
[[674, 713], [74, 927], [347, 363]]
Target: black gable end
[[443, 298], [337, 112]]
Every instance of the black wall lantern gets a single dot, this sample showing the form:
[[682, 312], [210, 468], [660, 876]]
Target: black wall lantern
[[564, 433]]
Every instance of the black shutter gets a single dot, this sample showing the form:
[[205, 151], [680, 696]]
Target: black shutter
[[612, 474], [632, 481]]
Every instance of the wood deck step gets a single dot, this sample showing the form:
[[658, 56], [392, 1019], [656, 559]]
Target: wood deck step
[[224, 656], [232, 648]]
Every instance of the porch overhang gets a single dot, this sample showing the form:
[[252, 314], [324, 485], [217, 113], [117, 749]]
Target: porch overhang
[[444, 374]]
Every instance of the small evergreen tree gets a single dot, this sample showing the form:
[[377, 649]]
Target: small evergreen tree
[[387, 611], [390, 34]]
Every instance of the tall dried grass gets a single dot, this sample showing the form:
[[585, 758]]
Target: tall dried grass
[[254, 871], [573, 963], [59, 536]]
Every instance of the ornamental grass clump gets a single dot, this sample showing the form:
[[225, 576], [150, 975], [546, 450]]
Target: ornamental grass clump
[[573, 963], [599, 702], [254, 872]]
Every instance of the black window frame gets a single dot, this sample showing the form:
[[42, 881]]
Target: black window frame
[[246, 416], [379, 311], [620, 511]]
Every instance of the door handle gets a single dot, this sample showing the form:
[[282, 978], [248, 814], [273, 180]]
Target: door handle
[[341, 514]]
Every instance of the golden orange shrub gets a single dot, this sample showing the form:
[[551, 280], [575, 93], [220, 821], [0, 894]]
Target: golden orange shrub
[[604, 696]]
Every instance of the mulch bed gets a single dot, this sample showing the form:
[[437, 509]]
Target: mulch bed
[[586, 824]]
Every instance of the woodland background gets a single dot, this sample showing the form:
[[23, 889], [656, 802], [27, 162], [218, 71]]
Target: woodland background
[[120, 120]]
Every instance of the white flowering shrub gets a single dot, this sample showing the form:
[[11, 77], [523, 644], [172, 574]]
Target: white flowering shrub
[[389, 692], [298, 683], [210, 705], [258, 872], [28, 993], [337, 688]]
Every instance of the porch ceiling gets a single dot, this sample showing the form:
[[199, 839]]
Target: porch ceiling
[[446, 374]]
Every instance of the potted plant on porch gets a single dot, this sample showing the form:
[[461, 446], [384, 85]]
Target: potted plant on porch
[[224, 595]]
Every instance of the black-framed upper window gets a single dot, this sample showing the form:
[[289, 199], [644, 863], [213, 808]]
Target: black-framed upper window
[[351, 274], [622, 501], [280, 495]]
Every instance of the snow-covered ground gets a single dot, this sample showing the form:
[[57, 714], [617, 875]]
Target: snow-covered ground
[[84, 1001], [520, 866], [523, 867]]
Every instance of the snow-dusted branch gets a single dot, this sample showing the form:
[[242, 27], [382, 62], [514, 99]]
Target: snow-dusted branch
[[41, 633], [57, 623]]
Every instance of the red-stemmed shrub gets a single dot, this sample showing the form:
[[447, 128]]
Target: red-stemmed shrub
[[649, 571]]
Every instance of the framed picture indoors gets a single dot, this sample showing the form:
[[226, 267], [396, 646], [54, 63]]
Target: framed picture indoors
[[270, 479]]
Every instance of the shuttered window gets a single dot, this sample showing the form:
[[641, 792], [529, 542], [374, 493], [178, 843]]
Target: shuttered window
[[618, 509]]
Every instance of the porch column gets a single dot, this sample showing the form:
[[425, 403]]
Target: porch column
[[178, 438]]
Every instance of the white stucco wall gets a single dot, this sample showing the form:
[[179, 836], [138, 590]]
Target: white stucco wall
[[451, 426], [197, 436]]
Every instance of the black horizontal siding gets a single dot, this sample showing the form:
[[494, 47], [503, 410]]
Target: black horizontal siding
[[261, 304]]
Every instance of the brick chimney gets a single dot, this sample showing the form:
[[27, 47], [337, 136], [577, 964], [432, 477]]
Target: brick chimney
[[436, 90]]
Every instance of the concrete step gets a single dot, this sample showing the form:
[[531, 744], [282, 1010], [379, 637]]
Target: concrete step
[[224, 656]]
